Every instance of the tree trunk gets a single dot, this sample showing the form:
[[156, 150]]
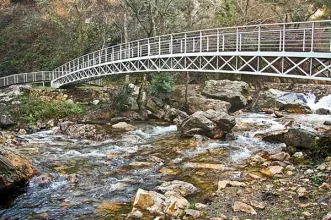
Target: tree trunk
[[143, 98]]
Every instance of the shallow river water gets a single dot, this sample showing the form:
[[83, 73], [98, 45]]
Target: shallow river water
[[81, 179]]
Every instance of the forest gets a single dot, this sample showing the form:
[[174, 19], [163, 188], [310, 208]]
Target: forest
[[38, 35]]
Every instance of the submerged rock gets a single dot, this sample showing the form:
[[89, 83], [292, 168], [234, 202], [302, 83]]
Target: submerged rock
[[15, 169], [201, 103], [230, 91], [211, 123], [183, 188]]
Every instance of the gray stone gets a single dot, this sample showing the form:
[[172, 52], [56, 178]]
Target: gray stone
[[211, 123], [6, 119], [322, 111], [230, 91], [201, 103]]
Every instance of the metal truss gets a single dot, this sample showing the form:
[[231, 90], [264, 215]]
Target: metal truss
[[298, 50], [281, 66]]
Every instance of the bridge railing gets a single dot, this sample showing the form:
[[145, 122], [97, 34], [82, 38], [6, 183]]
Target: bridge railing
[[314, 36], [23, 78]]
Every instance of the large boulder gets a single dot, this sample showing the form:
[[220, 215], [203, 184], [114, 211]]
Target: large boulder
[[201, 103], [230, 91], [6, 119], [295, 137], [267, 99], [211, 123], [15, 169]]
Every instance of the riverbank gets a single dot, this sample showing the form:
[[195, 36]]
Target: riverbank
[[125, 168]]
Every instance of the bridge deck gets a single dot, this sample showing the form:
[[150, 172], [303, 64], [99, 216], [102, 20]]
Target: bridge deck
[[301, 50]]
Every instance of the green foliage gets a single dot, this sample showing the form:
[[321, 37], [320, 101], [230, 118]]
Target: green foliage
[[192, 206], [162, 83], [317, 180], [33, 109], [121, 100]]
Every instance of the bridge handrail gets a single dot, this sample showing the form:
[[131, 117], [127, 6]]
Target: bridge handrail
[[116, 52]]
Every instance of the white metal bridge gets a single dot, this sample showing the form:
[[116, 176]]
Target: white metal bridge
[[296, 50]]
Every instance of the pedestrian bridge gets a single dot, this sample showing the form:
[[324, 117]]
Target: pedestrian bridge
[[296, 50]]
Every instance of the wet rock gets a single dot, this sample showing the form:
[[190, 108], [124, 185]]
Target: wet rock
[[282, 156], [240, 206], [210, 123], [15, 169], [296, 108], [230, 91], [80, 131], [192, 214], [322, 111], [119, 119], [175, 204], [201, 103], [172, 114], [183, 188], [149, 200], [327, 123], [123, 126], [204, 166], [279, 114], [6, 119], [223, 184], [295, 137], [169, 171], [272, 170]]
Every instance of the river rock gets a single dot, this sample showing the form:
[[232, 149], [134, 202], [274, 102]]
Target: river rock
[[272, 170], [282, 156], [295, 137], [223, 184], [80, 131], [183, 188], [211, 123], [267, 99], [175, 115], [6, 119], [296, 107], [201, 103], [230, 91], [149, 200], [123, 126], [328, 123], [322, 111], [175, 204], [15, 169], [240, 206]]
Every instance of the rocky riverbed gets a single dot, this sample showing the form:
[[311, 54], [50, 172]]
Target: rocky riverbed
[[215, 163]]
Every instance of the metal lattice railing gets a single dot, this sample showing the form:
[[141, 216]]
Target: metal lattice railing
[[299, 38]]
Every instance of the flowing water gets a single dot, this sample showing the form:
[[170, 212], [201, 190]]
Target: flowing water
[[81, 179]]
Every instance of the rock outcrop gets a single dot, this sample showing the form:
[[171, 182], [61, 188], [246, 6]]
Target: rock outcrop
[[211, 123], [230, 91], [6, 119]]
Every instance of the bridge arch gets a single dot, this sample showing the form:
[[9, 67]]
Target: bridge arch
[[296, 50]]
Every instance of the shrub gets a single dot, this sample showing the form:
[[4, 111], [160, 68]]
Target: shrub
[[162, 83], [33, 109]]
